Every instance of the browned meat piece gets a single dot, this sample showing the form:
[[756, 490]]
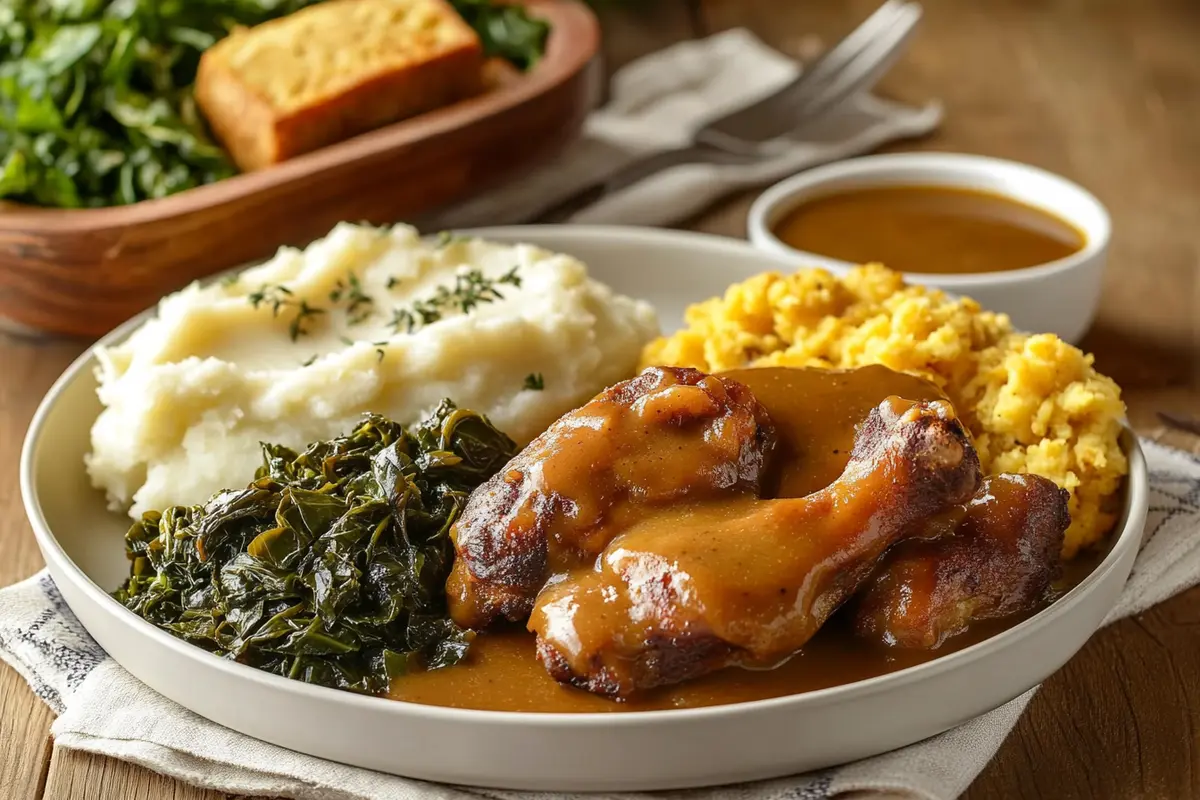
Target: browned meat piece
[[1001, 560], [700, 586], [668, 435]]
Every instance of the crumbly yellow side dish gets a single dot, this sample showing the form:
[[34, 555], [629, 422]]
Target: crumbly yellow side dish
[[1033, 403]]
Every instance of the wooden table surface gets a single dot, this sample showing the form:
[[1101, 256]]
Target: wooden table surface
[[1106, 93]]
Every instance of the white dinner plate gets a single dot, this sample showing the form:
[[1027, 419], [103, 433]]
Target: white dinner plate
[[82, 545]]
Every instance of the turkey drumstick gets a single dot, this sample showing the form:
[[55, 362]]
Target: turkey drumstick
[[665, 436], [1001, 560], [695, 587]]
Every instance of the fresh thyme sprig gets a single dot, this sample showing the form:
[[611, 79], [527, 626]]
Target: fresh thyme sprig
[[446, 238], [279, 297], [304, 312], [471, 288], [276, 296], [359, 305]]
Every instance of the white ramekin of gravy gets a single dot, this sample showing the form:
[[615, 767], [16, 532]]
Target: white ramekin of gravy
[[1015, 238]]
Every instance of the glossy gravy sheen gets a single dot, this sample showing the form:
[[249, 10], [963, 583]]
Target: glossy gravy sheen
[[929, 229], [815, 412]]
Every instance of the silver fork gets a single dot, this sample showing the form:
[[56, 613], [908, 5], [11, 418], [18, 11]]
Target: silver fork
[[758, 131]]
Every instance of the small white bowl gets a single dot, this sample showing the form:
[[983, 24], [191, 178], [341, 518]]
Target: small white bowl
[[1058, 297]]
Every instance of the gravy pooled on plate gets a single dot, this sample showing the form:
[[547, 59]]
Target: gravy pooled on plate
[[929, 229], [815, 414]]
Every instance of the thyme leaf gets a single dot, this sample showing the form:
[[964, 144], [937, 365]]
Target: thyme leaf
[[471, 289], [445, 238], [359, 305], [304, 312], [274, 296], [280, 297]]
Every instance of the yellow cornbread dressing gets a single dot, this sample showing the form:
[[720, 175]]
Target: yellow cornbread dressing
[[1033, 403]]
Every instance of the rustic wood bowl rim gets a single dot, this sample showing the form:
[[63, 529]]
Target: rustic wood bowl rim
[[574, 40]]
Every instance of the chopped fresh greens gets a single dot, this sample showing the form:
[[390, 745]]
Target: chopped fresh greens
[[96, 105], [359, 305], [506, 30], [275, 296], [280, 297], [330, 566], [471, 288], [445, 238], [535, 382], [299, 325]]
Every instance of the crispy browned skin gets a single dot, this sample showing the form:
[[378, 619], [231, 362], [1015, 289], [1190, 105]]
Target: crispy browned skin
[[701, 586], [1001, 560], [665, 436]]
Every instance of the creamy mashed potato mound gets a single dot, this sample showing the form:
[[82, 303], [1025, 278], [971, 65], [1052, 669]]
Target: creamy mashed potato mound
[[189, 396], [1033, 403]]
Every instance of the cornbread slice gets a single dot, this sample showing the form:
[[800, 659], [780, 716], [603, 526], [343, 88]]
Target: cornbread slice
[[331, 71]]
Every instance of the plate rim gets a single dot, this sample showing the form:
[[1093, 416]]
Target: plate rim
[[1130, 535]]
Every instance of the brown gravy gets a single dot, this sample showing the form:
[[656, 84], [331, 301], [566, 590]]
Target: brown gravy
[[930, 229], [815, 412]]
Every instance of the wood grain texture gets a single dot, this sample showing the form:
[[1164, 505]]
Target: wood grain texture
[[81, 272], [24, 738], [75, 775], [27, 369], [1105, 92]]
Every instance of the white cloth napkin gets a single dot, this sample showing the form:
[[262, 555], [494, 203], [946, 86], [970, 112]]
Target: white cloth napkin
[[103, 709], [656, 103]]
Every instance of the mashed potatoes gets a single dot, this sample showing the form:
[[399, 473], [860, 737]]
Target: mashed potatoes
[[297, 349], [1033, 403]]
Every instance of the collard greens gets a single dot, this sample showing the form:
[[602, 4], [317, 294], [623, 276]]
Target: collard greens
[[96, 105], [330, 566], [95, 96]]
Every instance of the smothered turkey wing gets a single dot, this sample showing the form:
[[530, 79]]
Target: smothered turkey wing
[[1001, 560], [668, 435], [698, 586]]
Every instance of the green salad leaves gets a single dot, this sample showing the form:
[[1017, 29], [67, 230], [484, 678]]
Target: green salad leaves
[[95, 97], [505, 30], [96, 105], [330, 566]]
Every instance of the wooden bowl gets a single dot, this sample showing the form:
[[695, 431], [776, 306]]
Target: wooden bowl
[[82, 271]]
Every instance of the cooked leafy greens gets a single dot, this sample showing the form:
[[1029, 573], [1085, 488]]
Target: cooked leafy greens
[[330, 566], [96, 105], [95, 96], [505, 30]]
